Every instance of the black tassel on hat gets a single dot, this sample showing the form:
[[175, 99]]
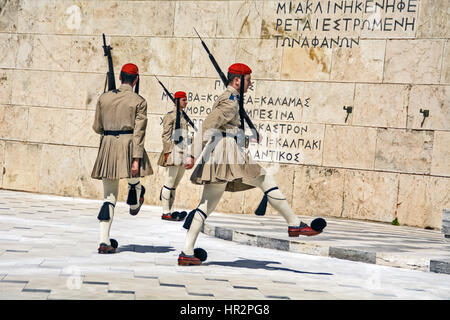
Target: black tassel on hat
[[261, 210], [136, 88], [103, 215], [131, 199]]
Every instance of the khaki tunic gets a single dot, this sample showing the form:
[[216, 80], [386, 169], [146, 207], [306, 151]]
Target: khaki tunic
[[221, 159], [177, 152], [124, 110]]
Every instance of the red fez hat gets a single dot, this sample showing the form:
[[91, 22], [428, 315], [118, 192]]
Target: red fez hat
[[239, 68], [180, 94], [130, 68]]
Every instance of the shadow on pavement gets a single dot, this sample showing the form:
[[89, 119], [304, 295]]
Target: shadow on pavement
[[144, 249], [258, 264]]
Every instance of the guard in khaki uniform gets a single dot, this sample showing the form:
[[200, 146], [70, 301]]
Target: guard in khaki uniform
[[121, 120], [223, 165], [175, 139]]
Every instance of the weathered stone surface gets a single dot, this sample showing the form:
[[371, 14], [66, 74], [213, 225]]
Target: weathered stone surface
[[363, 63], [318, 191], [22, 166], [86, 186], [445, 74], [153, 18], [9, 16], [87, 54], [5, 86], [14, 121], [381, 105], [240, 19], [435, 99], [2, 161], [232, 202], [51, 52], [30, 88], [113, 16], [134, 50], [440, 200], [170, 56], [433, 19], [327, 101], [78, 129], [421, 200], [59, 167], [404, 150], [306, 64], [440, 164], [414, 201], [350, 147], [188, 15], [370, 195], [46, 125], [413, 61], [8, 50], [223, 50], [261, 56], [153, 142]]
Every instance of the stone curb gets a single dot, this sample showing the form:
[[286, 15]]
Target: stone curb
[[397, 260]]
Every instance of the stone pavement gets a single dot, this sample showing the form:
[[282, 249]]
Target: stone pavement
[[48, 251], [370, 242]]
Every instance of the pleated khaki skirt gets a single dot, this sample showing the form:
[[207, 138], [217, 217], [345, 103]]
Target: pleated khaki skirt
[[175, 158], [224, 161], [115, 157]]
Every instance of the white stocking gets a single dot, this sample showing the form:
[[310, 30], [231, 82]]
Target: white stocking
[[210, 198], [110, 191]]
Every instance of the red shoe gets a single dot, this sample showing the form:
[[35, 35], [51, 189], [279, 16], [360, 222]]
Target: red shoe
[[104, 248], [186, 260], [303, 230], [166, 216], [174, 216]]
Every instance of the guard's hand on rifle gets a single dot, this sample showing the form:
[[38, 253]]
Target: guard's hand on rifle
[[135, 167], [189, 163]]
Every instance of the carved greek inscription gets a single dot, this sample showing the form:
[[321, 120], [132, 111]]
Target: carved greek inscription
[[329, 24]]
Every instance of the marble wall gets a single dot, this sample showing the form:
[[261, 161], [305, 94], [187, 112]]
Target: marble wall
[[311, 59]]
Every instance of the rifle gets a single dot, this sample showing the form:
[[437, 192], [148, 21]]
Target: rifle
[[242, 113], [110, 74], [185, 116]]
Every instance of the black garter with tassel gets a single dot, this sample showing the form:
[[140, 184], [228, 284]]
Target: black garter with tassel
[[131, 199], [103, 215], [261, 210]]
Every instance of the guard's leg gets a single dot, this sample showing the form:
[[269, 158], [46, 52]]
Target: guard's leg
[[135, 197], [106, 214], [212, 193], [174, 175], [277, 200]]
